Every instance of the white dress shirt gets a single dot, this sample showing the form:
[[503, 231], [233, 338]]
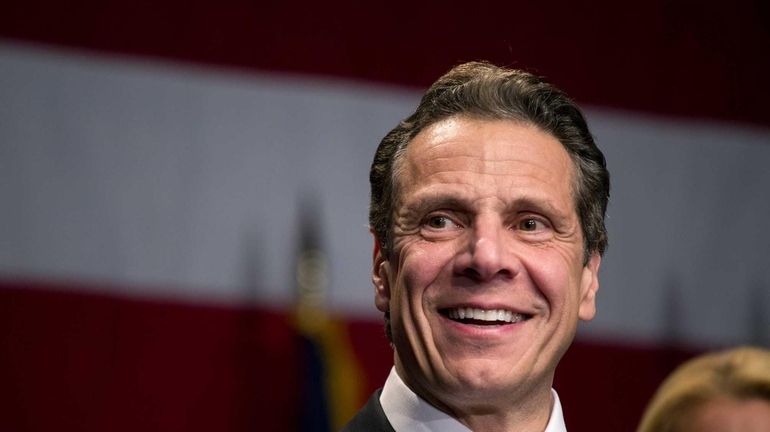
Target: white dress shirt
[[408, 412]]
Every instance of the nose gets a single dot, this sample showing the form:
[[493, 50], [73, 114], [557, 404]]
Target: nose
[[485, 256]]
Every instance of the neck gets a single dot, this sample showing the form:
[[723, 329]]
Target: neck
[[527, 409], [530, 414]]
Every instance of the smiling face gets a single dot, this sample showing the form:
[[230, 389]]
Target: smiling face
[[485, 282]]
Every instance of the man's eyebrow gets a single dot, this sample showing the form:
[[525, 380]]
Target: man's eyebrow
[[434, 201], [537, 205]]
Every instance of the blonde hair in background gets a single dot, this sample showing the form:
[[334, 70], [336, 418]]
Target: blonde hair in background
[[738, 374]]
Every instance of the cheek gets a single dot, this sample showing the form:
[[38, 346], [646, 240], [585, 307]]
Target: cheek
[[555, 274], [423, 268]]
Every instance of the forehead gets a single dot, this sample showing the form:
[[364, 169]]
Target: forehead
[[506, 153]]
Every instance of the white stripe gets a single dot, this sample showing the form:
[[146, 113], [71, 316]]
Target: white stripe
[[179, 180]]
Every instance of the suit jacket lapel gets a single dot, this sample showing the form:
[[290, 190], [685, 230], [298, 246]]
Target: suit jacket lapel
[[370, 418]]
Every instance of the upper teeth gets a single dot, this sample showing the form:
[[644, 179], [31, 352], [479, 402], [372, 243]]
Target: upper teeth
[[485, 315]]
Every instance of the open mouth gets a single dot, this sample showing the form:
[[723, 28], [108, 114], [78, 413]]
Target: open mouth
[[483, 317]]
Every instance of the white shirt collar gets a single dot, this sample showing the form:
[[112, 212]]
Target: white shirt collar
[[408, 412]]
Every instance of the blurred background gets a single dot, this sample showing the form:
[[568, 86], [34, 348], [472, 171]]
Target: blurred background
[[184, 191]]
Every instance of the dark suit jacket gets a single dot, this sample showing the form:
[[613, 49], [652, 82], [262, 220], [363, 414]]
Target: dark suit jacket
[[371, 418]]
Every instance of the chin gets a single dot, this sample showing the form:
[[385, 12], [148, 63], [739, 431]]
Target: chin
[[483, 375]]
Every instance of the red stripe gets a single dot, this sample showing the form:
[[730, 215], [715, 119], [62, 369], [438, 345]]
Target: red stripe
[[76, 362], [606, 386], [84, 362], [684, 58]]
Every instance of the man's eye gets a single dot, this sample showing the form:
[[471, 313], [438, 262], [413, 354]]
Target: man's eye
[[529, 225], [440, 222]]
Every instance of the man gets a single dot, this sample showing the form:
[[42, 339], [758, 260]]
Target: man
[[487, 210]]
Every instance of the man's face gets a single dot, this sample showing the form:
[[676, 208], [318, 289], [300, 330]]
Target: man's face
[[486, 280]]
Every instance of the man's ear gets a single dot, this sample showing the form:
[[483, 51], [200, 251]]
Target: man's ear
[[589, 285], [380, 277]]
